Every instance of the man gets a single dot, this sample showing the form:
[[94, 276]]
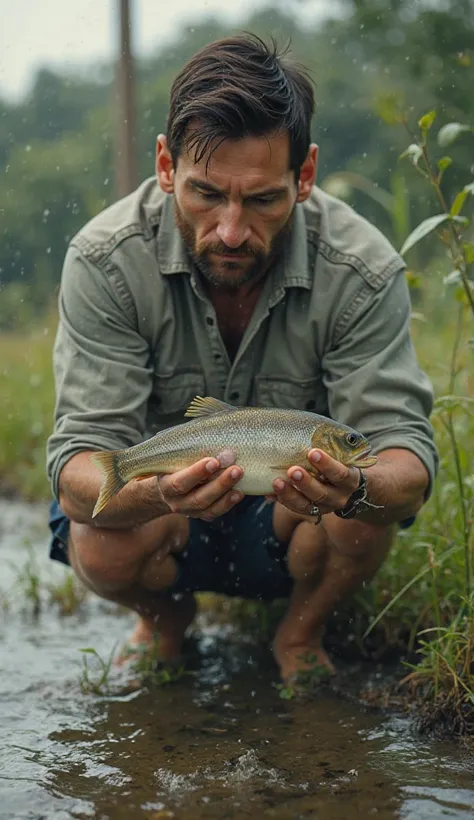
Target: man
[[232, 275]]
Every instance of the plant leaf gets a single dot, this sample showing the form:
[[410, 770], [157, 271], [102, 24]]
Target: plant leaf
[[450, 132], [469, 252], [422, 230], [452, 278], [413, 152], [444, 163], [461, 220], [427, 121], [389, 108], [458, 202]]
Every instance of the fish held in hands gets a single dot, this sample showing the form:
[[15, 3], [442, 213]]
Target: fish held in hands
[[266, 441]]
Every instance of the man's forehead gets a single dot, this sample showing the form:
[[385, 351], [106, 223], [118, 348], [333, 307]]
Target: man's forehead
[[265, 158]]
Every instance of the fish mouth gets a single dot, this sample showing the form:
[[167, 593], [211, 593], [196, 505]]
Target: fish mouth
[[363, 459]]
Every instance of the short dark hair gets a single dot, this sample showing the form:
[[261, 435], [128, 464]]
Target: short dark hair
[[239, 87]]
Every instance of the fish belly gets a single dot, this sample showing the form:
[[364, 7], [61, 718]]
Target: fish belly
[[258, 481]]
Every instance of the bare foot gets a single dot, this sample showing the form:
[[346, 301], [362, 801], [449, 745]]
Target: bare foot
[[162, 641], [295, 659]]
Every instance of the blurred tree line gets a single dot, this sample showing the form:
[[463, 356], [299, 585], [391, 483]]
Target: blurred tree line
[[57, 146]]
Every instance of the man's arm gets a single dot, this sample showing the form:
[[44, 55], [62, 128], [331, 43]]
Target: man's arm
[[375, 386], [102, 367], [79, 485], [203, 490]]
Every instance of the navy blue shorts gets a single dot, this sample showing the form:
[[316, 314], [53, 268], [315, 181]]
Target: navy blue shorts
[[235, 555]]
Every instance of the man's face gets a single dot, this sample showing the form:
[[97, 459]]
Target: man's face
[[235, 214]]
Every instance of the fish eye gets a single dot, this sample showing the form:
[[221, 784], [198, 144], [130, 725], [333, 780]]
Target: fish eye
[[352, 439]]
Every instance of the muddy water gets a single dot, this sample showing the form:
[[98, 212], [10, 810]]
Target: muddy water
[[219, 743]]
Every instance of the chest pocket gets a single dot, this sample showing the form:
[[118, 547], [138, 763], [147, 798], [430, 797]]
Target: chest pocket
[[295, 394], [171, 395]]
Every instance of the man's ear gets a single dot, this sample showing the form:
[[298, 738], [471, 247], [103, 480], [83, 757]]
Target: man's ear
[[308, 172], [164, 165]]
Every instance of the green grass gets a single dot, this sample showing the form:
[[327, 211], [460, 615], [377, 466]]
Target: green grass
[[27, 401]]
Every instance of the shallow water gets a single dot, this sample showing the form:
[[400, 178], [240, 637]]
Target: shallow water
[[219, 743]]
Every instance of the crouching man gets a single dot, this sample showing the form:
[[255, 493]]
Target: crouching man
[[229, 273]]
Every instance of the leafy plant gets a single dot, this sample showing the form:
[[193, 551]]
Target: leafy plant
[[445, 671]]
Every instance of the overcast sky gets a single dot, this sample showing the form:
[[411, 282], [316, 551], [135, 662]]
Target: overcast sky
[[62, 32]]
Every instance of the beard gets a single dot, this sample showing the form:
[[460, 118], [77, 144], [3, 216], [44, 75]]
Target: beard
[[231, 273]]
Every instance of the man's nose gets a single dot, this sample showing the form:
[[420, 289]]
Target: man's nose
[[232, 228]]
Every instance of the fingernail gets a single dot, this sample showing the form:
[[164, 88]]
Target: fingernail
[[212, 466], [315, 456], [234, 497], [279, 484], [297, 475], [235, 473]]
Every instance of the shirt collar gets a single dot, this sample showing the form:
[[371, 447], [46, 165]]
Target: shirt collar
[[291, 270]]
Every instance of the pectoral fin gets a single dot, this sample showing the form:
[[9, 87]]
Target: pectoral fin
[[207, 407]]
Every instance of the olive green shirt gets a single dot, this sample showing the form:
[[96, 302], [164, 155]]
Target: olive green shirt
[[138, 338]]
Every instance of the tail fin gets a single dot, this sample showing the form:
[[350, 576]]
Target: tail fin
[[113, 482]]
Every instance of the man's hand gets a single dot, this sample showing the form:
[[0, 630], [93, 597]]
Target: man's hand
[[204, 490], [397, 484], [331, 491]]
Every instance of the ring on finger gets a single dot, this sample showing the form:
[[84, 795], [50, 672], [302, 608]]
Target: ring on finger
[[315, 512]]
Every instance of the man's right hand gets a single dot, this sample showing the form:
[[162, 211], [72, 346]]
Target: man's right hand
[[205, 489]]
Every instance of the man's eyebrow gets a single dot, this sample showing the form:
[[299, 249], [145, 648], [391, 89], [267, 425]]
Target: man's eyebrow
[[203, 186], [206, 186]]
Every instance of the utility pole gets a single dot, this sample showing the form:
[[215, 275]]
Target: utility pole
[[125, 169]]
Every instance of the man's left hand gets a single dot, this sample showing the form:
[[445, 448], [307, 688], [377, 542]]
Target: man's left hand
[[329, 492]]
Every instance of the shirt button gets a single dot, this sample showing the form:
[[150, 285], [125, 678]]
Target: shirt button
[[234, 395], [209, 320], [217, 357]]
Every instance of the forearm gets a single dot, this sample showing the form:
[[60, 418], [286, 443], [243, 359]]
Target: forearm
[[79, 486], [397, 484]]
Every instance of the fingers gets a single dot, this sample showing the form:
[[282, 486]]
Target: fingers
[[196, 490], [297, 501], [335, 472], [223, 505], [303, 490], [183, 481]]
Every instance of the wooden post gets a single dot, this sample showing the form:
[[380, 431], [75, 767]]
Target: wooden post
[[125, 170]]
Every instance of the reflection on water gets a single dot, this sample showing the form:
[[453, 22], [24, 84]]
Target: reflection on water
[[218, 744]]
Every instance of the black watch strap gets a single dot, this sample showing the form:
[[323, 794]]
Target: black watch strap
[[357, 502]]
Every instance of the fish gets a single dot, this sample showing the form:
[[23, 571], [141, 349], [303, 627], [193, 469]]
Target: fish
[[266, 442]]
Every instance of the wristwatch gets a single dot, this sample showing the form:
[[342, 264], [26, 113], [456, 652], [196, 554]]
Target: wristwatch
[[357, 503]]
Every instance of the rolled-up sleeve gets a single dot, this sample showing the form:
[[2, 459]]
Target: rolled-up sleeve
[[373, 379], [101, 365]]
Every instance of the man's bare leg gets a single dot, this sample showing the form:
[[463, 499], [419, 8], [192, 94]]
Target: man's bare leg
[[327, 562], [132, 567]]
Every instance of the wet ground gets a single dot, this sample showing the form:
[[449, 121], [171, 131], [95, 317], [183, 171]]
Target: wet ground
[[219, 743]]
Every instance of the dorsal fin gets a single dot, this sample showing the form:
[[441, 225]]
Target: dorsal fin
[[207, 407]]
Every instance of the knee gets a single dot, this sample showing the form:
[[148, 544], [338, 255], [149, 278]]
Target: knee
[[100, 559], [357, 539], [307, 552]]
